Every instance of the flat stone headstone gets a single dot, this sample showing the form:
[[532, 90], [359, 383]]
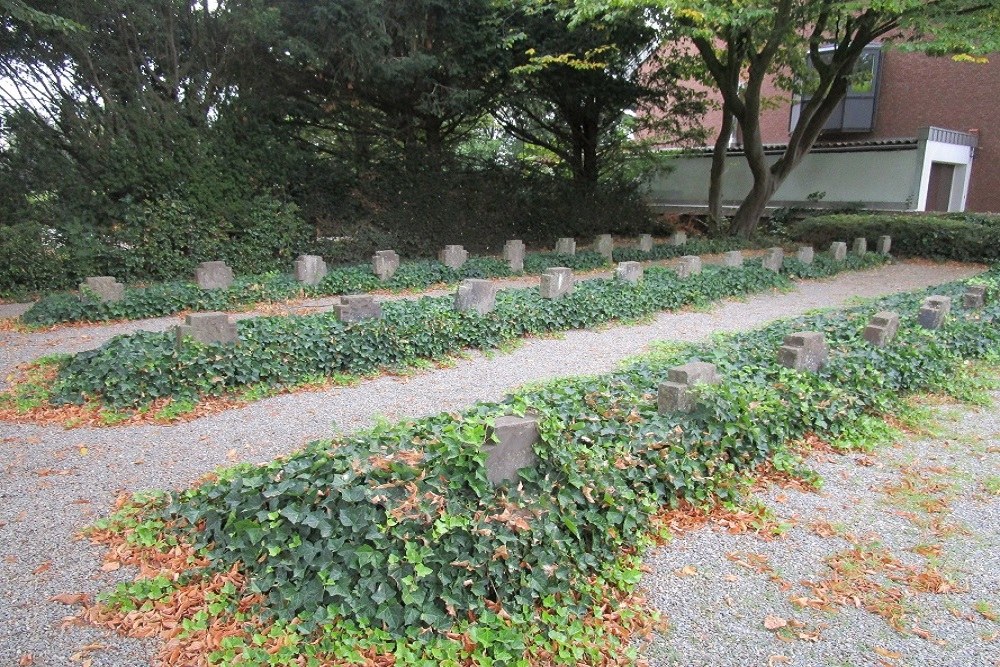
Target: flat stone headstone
[[675, 394], [805, 254], [213, 275], [556, 282], [207, 328], [838, 250], [605, 245], [566, 246], [688, 265], [773, 259], [934, 311], [105, 288], [629, 272], [513, 253], [476, 294], [646, 243], [732, 259], [509, 447], [358, 307], [678, 238], [385, 263], [974, 297], [805, 351], [310, 269], [860, 246], [882, 328], [453, 256], [884, 245]]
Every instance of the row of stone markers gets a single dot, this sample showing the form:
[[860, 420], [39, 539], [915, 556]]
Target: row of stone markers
[[807, 351]]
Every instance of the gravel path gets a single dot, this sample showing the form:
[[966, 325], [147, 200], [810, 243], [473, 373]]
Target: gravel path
[[56, 481], [717, 615]]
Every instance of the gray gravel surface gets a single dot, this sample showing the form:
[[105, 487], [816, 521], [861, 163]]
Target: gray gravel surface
[[717, 615], [55, 481]]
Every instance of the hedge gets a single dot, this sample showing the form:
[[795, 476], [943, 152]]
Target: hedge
[[960, 237], [173, 297], [133, 370], [392, 540]]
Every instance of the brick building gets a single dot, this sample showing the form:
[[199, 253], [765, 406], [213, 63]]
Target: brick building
[[919, 133]]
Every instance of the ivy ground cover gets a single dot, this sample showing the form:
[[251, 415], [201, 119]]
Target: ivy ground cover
[[390, 546], [174, 297], [274, 353]]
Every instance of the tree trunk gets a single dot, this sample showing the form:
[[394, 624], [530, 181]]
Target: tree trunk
[[749, 213], [719, 166]]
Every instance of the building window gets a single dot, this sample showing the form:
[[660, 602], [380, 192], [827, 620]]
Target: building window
[[856, 112]]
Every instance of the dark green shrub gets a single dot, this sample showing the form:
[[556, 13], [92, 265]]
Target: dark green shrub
[[962, 237]]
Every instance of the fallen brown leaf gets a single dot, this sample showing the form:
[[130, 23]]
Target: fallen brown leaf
[[44, 567], [70, 598], [26, 660], [886, 653], [775, 622]]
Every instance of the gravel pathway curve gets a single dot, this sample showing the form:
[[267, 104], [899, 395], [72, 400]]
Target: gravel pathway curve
[[55, 481], [717, 615]]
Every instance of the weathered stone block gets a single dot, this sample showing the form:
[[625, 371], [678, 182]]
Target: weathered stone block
[[509, 447], [358, 307], [773, 259], [207, 328], [605, 245], [688, 265], [310, 269], [805, 254], [732, 259], [453, 256], [975, 296], [629, 272], [860, 246], [476, 294], [806, 351], [513, 253], [934, 311], [678, 238], [104, 288], [675, 394], [556, 282], [882, 328], [566, 246], [213, 275], [646, 242], [884, 246], [385, 263], [838, 250]]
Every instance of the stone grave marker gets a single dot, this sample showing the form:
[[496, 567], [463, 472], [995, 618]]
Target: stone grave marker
[[805, 254], [385, 263], [882, 328], [104, 288], [732, 259], [884, 245], [513, 253], [310, 269], [646, 243], [358, 307], [207, 328], [605, 245], [838, 250], [688, 265], [629, 272], [556, 282], [213, 275], [675, 394], [476, 294], [975, 296], [860, 246], [678, 238], [934, 311], [566, 246], [509, 447], [453, 256], [805, 351], [773, 259]]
